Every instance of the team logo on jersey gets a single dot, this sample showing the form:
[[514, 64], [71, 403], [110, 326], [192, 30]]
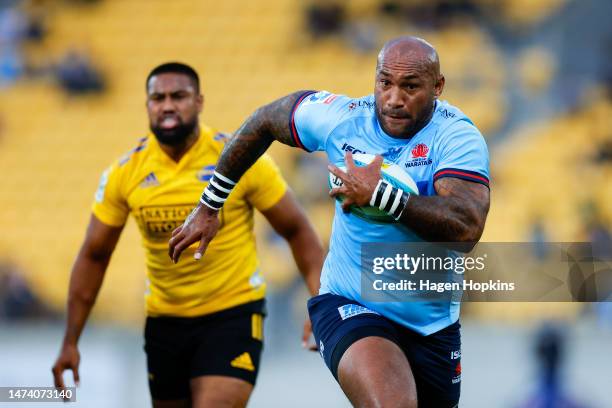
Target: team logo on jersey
[[149, 181], [420, 150], [419, 156], [361, 104], [206, 173]]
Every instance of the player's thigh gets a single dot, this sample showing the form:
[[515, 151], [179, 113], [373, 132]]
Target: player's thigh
[[374, 372], [167, 361], [436, 364], [212, 391], [339, 325]]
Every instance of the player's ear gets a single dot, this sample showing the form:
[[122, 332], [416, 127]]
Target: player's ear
[[439, 86]]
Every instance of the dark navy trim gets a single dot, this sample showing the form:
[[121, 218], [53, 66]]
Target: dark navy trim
[[462, 174], [292, 127]]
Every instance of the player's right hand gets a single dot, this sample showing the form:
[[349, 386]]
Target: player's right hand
[[201, 225], [69, 358]]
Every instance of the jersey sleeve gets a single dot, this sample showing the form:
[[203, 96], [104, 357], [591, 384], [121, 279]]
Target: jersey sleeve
[[265, 184], [313, 117], [463, 154], [109, 205]]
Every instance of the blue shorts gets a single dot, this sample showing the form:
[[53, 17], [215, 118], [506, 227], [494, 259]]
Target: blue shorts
[[338, 322]]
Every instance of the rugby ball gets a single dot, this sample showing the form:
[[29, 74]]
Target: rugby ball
[[391, 173]]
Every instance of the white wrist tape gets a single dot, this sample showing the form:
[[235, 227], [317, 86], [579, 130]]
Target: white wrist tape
[[217, 191]]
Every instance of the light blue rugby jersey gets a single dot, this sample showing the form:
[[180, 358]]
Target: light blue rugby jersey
[[448, 146]]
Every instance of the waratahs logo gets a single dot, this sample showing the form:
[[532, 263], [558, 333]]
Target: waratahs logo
[[419, 156], [420, 150]]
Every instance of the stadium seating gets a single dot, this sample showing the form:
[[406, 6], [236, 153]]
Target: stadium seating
[[54, 147]]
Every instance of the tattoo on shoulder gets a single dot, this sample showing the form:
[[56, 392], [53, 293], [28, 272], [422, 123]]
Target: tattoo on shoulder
[[267, 124]]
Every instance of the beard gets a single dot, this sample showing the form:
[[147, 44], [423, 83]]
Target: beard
[[174, 136]]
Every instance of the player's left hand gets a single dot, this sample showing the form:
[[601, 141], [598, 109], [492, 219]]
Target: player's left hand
[[358, 183], [201, 225], [307, 342]]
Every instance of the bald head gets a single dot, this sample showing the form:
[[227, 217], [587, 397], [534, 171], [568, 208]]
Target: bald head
[[411, 52], [408, 81]]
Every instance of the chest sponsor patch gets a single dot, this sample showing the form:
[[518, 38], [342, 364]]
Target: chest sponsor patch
[[159, 221]]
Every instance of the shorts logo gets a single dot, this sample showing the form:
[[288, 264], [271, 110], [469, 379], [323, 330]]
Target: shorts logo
[[243, 361], [350, 310], [457, 377], [321, 348]]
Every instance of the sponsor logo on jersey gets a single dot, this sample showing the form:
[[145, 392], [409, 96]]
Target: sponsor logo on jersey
[[206, 173], [360, 103], [159, 221], [348, 148], [149, 181], [446, 113], [419, 156], [243, 361], [350, 310]]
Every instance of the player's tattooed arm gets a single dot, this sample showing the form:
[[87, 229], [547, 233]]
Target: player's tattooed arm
[[268, 123], [265, 125], [457, 214]]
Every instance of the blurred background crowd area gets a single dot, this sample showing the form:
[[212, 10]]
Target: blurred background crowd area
[[535, 76]]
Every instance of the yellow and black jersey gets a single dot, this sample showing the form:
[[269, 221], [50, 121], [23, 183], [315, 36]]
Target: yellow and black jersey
[[160, 193]]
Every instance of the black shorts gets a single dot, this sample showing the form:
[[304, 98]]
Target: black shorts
[[435, 359], [226, 343]]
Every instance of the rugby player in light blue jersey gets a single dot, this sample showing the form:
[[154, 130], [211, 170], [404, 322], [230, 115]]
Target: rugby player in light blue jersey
[[383, 354]]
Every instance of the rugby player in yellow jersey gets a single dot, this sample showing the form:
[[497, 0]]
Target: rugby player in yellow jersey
[[204, 328]]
